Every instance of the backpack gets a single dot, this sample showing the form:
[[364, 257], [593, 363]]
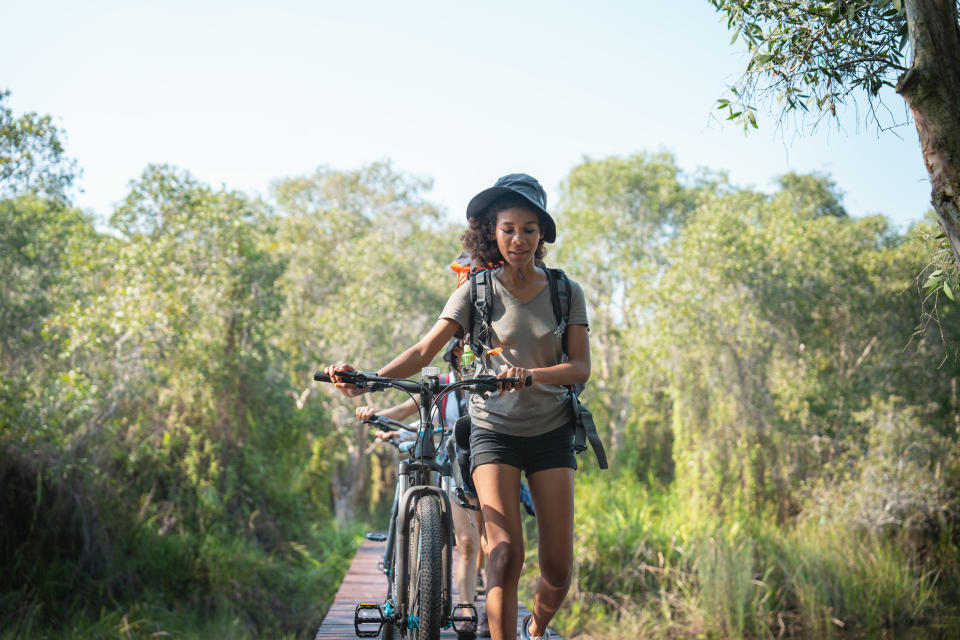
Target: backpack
[[481, 297], [459, 397]]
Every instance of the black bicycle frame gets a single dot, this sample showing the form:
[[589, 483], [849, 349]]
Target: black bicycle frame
[[421, 469]]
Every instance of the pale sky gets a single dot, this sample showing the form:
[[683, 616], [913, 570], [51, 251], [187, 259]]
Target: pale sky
[[241, 93]]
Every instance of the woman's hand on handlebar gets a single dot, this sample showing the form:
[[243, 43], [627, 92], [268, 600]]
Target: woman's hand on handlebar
[[345, 388], [525, 376], [386, 436], [365, 413]]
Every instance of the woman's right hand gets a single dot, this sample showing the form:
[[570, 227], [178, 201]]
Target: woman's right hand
[[345, 388], [365, 413]]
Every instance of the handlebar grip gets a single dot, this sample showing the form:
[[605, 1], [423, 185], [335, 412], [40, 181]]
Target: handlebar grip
[[346, 376], [379, 423], [490, 383]]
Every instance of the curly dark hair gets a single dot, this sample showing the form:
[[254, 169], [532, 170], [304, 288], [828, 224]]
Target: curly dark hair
[[480, 241]]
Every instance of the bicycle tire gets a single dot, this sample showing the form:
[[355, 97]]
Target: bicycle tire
[[425, 549], [388, 631]]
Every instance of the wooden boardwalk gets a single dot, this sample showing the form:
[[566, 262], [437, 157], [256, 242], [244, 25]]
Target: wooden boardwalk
[[364, 582]]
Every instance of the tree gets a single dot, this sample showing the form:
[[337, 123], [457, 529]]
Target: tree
[[41, 247], [32, 158], [624, 209], [39, 232], [818, 54], [367, 276], [778, 320]]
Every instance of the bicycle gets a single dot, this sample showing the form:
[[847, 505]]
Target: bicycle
[[419, 591]]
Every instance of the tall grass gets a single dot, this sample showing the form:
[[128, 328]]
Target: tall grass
[[217, 587], [651, 564], [840, 579]]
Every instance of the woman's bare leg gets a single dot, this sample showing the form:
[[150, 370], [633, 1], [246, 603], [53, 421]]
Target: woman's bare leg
[[498, 486], [468, 548], [480, 556], [552, 491]]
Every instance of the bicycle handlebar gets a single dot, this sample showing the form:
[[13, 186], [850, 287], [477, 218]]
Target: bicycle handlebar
[[429, 389], [370, 380], [387, 424], [384, 423]]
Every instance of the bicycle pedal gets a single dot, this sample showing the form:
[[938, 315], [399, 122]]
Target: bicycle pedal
[[368, 613], [376, 537], [464, 618], [464, 502]]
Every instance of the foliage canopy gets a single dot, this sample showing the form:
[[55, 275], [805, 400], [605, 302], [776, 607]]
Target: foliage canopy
[[168, 467]]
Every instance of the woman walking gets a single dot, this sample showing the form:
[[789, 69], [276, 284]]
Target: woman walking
[[526, 428]]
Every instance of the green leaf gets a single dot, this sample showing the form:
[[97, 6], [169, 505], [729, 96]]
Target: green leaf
[[898, 4], [948, 291]]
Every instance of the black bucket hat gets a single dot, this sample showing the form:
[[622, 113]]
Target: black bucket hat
[[449, 355], [517, 184]]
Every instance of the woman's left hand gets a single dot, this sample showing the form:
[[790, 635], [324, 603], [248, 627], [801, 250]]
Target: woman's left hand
[[347, 389], [515, 372]]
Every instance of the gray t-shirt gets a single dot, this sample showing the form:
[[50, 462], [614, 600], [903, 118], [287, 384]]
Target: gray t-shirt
[[526, 332]]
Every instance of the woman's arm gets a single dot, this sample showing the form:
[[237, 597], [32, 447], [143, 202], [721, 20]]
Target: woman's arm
[[421, 354], [407, 363], [397, 412], [575, 370]]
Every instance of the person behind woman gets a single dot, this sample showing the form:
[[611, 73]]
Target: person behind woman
[[525, 428], [465, 526]]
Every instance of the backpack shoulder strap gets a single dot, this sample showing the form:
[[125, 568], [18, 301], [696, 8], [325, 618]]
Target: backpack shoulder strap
[[460, 396], [444, 380], [586, 430], [560, 298], [481, 298]]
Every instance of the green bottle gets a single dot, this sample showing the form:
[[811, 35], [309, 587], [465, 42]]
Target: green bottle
[[468, 361]]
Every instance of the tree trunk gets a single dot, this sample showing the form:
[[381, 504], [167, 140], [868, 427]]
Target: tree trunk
[[931, 87], [349, 481]]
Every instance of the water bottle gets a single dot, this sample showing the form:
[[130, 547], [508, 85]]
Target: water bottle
[[468, 362]]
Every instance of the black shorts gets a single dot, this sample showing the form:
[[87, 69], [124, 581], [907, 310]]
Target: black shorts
[[550, 450]]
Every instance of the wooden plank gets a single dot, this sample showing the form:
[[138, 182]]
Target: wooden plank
[[365, 582]]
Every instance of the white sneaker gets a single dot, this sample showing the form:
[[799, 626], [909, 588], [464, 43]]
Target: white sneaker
[[525, 633]]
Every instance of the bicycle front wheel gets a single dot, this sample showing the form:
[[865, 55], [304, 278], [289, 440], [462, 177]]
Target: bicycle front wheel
[[388, 631], [425, 552]]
